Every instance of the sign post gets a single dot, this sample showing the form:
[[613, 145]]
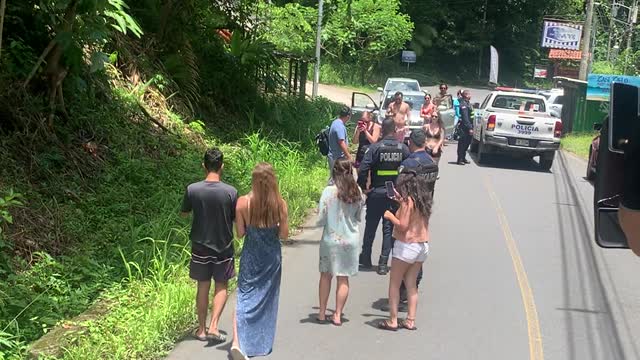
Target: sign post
[[409, 57]]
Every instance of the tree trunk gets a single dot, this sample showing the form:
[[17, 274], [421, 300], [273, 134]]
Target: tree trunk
[[3, 5]]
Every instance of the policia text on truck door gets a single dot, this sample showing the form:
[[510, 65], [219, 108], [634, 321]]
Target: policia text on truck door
[[617, 186]]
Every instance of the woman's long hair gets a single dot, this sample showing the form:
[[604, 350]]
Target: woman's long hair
[[409, 184], [440, 121], [348, 190], [266, 201]]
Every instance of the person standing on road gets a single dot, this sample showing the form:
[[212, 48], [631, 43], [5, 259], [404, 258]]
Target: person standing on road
[[456, 115], [262, 219], [444, 92], [338, 141], [367, 132], [423, 164], [465, 128], [435, 136], [400, 112], [381, 162], [411, 248], [213, 205], [427, 109], [340, 213]]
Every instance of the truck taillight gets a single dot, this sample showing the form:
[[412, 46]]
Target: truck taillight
[[491, 123], [557, 130]]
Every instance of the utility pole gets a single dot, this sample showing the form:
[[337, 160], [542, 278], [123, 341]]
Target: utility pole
[[632, 22], [316, 72], [484, 22], [586, 42]]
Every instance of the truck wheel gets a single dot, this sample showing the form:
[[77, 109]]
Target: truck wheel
[[546, 161], [474, 145], [482, 152]]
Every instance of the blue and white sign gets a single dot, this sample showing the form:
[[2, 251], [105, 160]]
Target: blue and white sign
[[409, 57], [558, 35], [599, 86]]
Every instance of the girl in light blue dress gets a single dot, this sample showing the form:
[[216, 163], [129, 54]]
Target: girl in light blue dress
[[340, 213]]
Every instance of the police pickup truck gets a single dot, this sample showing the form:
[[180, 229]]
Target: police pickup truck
[[517, 124]]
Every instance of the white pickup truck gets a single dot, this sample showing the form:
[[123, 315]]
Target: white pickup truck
[[518, 124]]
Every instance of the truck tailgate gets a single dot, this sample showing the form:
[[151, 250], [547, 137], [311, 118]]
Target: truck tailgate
[[524, 125]]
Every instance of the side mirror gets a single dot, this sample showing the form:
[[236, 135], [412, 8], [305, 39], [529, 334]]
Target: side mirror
[[608, 231], [442, 108], [554, 113], [380, 89], [371, 107], [476, 105], [597, 126]]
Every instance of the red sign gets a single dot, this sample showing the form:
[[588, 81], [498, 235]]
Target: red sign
[[565, 54]]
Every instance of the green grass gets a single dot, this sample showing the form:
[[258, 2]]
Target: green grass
[[108, 228], [578, 143]]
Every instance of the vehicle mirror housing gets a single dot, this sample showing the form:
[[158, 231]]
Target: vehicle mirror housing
[[597, 126], [380, 89], [371, 107], [442, 108], [609, 234]]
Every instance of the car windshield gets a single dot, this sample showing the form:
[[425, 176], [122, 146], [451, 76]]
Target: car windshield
[[415, 101], [403, 86], [514, 102]]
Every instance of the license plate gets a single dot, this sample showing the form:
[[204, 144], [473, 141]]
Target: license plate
[[522, 142]]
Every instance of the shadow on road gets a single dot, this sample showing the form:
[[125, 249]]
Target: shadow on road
[[586, 302], [498, 161]]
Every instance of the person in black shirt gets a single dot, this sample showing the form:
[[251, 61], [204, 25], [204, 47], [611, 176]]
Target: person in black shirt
[[466, 127], [213, 204], [381, 162]]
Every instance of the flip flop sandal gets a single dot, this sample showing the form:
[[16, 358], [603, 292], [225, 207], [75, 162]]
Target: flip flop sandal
[[237, 354], [334, 323], [216, 337], [199, 337], [404, 324], [384, 325]]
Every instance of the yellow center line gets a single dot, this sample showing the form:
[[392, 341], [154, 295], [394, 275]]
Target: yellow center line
[[533, 325]]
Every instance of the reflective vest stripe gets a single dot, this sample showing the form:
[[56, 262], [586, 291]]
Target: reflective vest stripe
[[387, 172]]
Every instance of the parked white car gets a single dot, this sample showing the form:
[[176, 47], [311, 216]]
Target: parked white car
[[517, 124], [555, 99], [397, 84]]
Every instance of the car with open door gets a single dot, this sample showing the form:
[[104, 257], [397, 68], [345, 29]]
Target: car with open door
[[361, 102], [392, 85]]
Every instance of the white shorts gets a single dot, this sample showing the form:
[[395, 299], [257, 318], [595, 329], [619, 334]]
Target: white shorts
[[410, 252]]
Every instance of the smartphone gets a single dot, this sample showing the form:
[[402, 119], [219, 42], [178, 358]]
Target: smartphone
[[391, 190]]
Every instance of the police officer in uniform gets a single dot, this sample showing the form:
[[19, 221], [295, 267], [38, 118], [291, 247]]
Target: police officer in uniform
[[381, 162], [466, 127]]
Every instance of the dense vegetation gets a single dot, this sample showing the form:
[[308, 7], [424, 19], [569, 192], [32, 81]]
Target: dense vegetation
[[105, 109]]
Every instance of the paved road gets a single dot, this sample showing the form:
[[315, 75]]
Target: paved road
[[343, 95], [513, 274]]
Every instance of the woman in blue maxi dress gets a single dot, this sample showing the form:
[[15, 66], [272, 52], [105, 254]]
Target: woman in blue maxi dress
[[261, 217]]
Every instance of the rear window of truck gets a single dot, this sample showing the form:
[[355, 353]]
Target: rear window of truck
[[512, 102]]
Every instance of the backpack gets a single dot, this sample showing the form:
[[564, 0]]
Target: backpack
[[322, 141]]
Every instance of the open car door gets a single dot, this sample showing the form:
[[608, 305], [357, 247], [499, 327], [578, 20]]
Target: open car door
[[361, 102], [610, 168], [447, 114]]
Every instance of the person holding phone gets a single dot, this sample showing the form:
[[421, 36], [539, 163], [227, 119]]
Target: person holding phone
[[367, 132], [410, 250]]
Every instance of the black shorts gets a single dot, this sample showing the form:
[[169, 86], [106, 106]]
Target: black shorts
[[207, 264]]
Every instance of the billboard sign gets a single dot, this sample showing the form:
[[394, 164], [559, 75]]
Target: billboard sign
[[408, 57], [540, 72], [599, 86], [560, 54], [561, 35]]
